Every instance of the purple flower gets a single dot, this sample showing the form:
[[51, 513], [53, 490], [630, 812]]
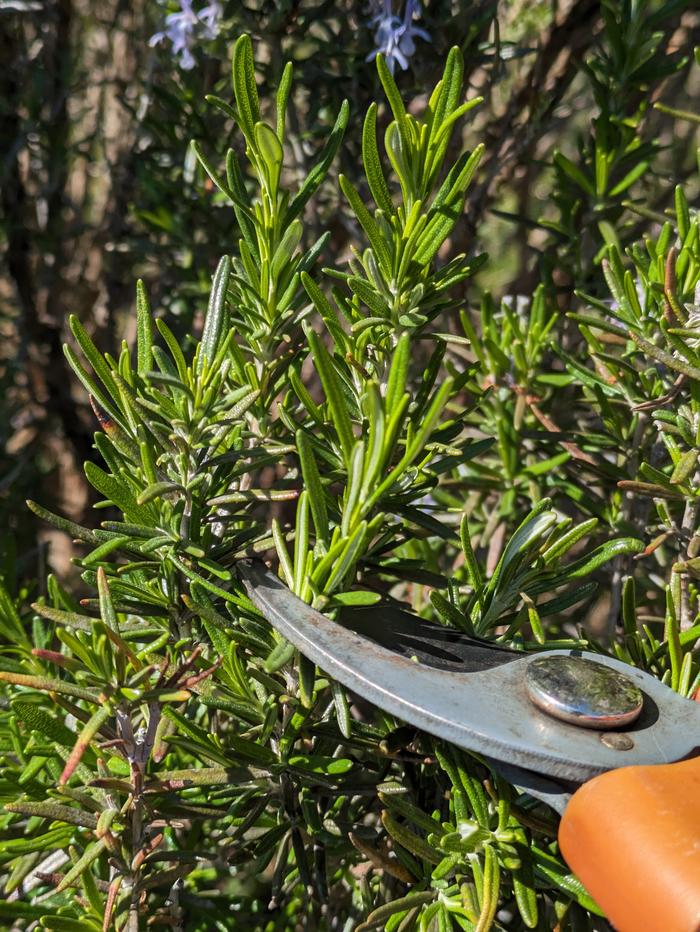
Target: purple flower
[[182, 27], [209, 16], [394, 35]]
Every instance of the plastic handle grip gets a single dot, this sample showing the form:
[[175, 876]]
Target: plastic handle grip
[[632, 837]]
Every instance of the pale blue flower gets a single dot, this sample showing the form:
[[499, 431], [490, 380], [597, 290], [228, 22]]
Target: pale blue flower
[[394, 34], [209, 16], [185, 26]]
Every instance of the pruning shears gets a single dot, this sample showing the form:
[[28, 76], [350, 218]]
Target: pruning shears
[[611, 748]]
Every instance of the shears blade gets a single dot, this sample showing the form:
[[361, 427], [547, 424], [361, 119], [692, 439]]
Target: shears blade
[[468, 692]]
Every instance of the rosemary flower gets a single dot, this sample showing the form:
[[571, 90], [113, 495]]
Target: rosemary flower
[[394, 35], [183, 27]]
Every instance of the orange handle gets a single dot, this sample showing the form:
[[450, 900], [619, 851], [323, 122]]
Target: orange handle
[[632, 836]]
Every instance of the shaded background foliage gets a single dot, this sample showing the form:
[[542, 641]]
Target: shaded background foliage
[[571, 358]]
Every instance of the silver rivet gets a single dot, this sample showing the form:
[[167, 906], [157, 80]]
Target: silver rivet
[[582, 691], [616, 741]]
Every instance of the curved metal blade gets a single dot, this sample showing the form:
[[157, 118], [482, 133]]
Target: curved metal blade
[[429, 643], [486, 711]]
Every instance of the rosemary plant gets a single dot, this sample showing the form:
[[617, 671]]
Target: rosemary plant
[[166, 758]]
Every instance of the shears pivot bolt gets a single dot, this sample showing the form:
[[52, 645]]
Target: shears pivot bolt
[[582, 692]]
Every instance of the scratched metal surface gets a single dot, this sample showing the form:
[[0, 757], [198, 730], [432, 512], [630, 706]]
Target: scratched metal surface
[[486, 711]]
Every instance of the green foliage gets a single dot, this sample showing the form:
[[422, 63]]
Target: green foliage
[[166, 756]]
